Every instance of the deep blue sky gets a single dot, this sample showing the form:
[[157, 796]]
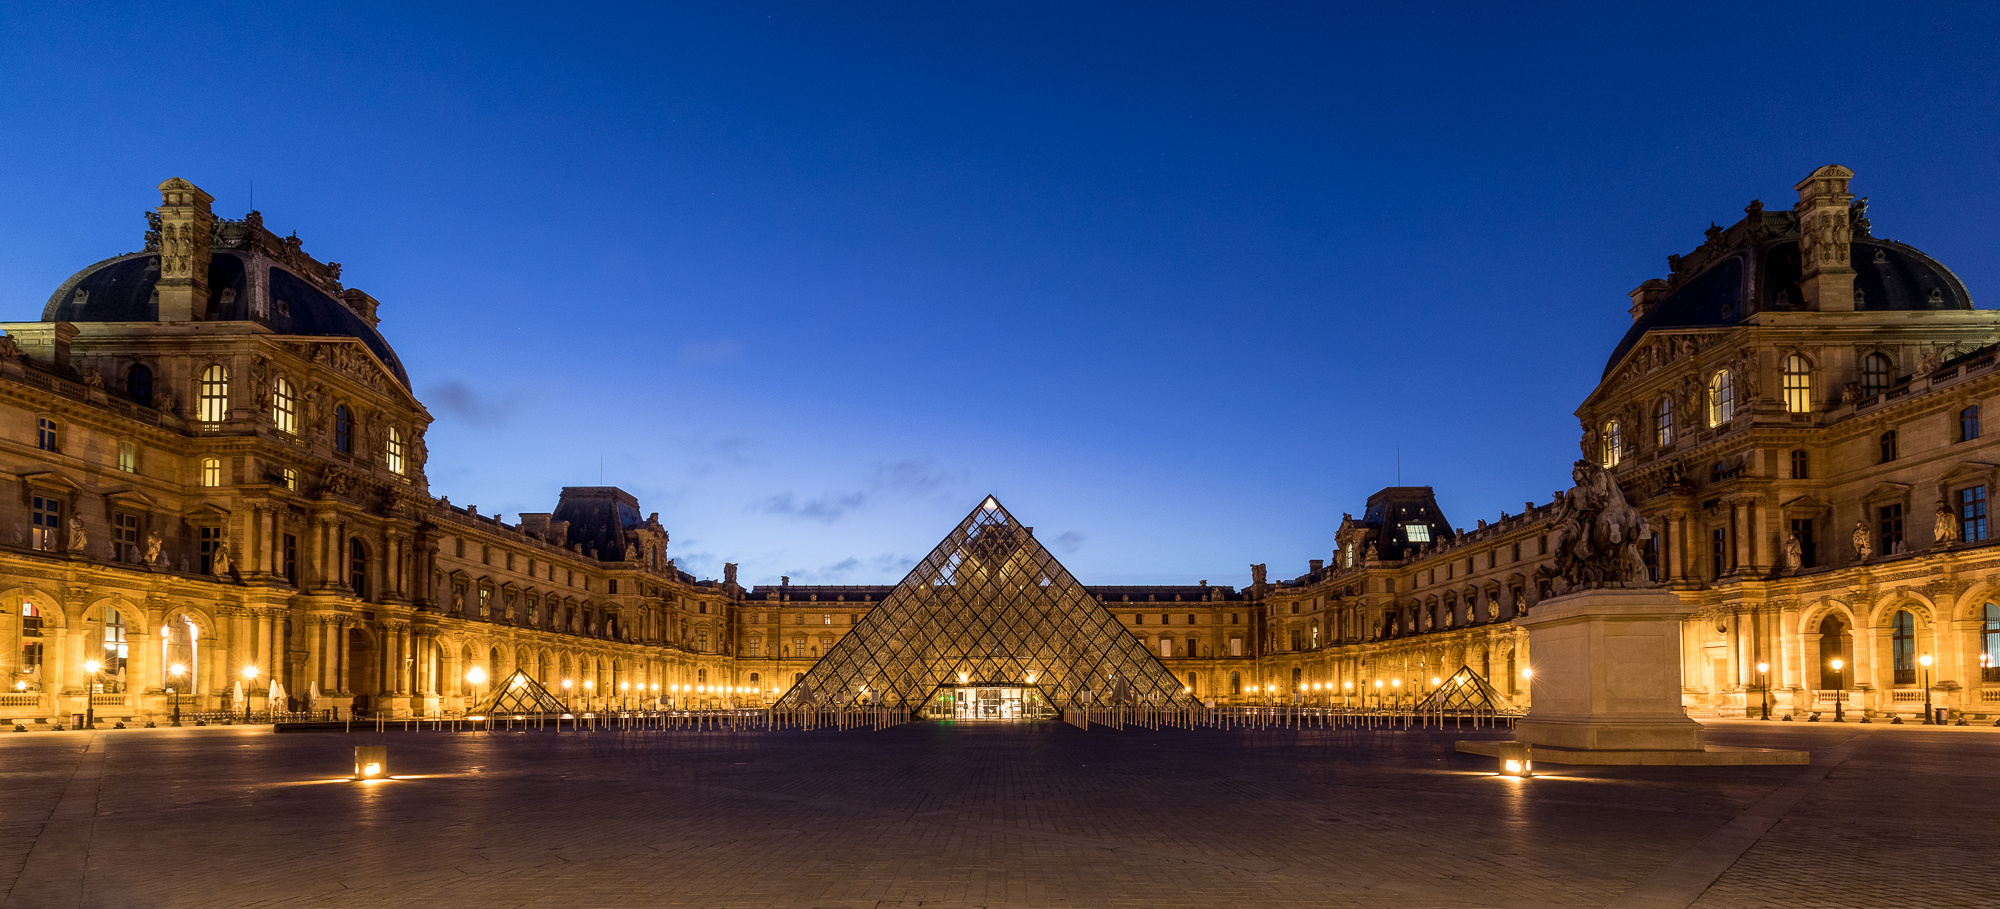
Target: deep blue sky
[[1175, 281]]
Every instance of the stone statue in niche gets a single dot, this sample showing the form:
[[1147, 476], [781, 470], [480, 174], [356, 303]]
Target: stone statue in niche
[[78, 539], [1862, 549], [1598, 545], [1944, 525], [1794, 552], [152, 548], [219, 561]]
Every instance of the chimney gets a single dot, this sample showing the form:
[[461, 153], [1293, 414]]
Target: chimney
[[1827, 282], [185, 226], [60, 339], [1318, 564], [1646, 296]]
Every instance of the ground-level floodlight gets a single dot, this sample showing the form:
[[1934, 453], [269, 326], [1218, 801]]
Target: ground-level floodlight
[[371, 762], [1517, 759]]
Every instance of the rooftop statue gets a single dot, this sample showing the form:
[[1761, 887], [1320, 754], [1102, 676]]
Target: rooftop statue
[[1598, 544]]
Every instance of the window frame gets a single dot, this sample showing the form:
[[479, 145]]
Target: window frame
[[212, 395], [284, 406], [1797, 383], [1721, 398]]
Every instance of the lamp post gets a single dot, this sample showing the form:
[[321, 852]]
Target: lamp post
[[249, 679], [474, 677], [1765, 683], [90, 694], [1378, 694], [1839, 692], [1396, 685], [1925, 661], [1347, 694], [173, 691]]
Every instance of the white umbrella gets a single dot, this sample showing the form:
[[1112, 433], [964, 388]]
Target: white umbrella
[[236, 693], [312, 697], [276, 702]]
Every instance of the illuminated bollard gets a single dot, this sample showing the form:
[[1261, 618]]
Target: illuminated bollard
[[1516, 759], [371, 762]]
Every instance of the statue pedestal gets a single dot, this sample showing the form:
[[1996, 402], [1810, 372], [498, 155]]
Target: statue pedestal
[[1607, 672]]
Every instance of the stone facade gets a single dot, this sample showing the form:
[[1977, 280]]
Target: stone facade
[[218, 466]]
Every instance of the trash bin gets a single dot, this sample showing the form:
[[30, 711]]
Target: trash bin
[[1942, 715]]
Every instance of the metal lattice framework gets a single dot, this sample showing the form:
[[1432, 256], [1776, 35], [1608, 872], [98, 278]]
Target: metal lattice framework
[[1465, 690], [520, 694], [989, 606]]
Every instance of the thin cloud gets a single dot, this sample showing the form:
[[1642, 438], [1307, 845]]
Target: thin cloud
[[825, 509], [459, 401], [711, 352], [914, 477], [1069, 541]]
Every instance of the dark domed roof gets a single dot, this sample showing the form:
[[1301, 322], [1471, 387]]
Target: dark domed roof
[[120, 289], [1888, 277]]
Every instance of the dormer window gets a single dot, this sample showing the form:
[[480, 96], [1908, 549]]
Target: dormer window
[[1417, 533]]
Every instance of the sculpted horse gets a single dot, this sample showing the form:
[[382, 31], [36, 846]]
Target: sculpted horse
[[1601, 533]]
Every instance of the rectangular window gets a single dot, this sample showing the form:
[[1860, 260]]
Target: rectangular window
[[1972, 514], [1968, 424], [128, 457], [45, 434], [1236, 647], [1888, 446], [755, 647], [1417, 533], [291, 559], [1233, 620], [1808, 552], [485, 602], [48, 524], [1890, 524], [211, 471], [125, 537], [1718, 553], [208, 538], [1297, 640]]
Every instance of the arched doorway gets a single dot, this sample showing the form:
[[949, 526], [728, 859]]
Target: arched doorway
[[363, 669], [1834, 643]]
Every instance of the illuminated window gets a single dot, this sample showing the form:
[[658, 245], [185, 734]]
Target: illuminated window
[[212, 398], [1989, 644], [1721, 398], [1417, 533], [211, 471], [1875, 374], [284, 408], [1663, 422], [392, 456], [128, 457], [1613, 442], [45, 434], [47, 524], [290, 478], [1798, 384]]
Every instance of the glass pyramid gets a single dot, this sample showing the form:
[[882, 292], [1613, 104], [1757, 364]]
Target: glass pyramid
[[989, 607], [1465, 690], [519, 694]]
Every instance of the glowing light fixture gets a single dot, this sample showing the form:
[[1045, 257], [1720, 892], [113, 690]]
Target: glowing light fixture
[[1517, 759], [475, 675], [371, 762]]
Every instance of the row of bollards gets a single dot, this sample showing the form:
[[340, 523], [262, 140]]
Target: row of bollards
[[878, 718]]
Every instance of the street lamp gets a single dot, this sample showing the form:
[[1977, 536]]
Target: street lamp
[[173, 691], [474, 677], [1925, 661], [1839, 692], [1347, 694], [90, 694], [249, 679], [1765, 683]]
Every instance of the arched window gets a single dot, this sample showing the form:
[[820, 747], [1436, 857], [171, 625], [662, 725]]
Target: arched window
[[1903, 646], [212, 396], [1721, 398], [1801, 464], [139, 384], [111, 672], [1833, 646], [343, 429], [211, 471], [1798, 384], [392, 454], [1875, 374], [357, 567], [493, 665], [1513, 678], [1989, 644], [284, 407], [1613, 443], [1194, 684], [1663, 422]]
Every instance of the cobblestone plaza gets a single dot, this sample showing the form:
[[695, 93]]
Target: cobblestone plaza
[[941, 815]]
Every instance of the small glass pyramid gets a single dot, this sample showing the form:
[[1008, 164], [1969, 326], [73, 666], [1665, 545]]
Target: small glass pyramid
[[519, 694]]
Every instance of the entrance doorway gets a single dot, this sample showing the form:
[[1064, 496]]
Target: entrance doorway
[[1001, 703]]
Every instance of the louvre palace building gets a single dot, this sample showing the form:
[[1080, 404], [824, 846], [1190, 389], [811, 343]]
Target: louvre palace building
[[217, 472]]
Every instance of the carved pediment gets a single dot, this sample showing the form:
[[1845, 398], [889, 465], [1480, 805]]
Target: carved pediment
[[1658, 350], [49, 479], [1807, 505], [349, 358], [1967, 471], [1887, 491]]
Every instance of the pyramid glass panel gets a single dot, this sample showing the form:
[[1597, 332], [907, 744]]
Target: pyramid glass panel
[[519, 694], [989, 614], [1465, 690]]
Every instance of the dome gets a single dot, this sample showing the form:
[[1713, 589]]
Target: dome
[[1888, 277], [243, 287]]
